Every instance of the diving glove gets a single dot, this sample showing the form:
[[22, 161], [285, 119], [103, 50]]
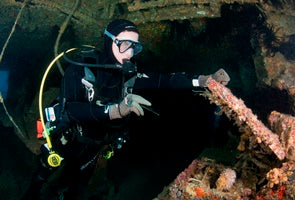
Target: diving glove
[[131, 103], [220, 76]]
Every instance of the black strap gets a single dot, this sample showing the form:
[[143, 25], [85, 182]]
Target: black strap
[[105, 66]]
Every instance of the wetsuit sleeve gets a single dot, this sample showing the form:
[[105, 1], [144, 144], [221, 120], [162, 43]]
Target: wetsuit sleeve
[[76, 105], [85, 112], [168, 81]]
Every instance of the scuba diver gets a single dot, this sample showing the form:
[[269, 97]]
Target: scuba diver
[[96, 99]]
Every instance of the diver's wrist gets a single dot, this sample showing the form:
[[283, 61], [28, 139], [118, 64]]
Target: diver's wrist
[[195, 82]]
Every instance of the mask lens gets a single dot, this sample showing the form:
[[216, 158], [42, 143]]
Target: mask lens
[[124, 45], [137, 48]]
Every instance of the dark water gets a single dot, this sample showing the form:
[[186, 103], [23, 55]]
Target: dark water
[[16, 166]]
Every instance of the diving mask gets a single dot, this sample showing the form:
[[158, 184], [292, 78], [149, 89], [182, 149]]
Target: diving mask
[[124, 45]]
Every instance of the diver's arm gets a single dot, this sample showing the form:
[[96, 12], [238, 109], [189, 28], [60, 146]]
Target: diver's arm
[[84, 111], [180, 80], [165, 81]]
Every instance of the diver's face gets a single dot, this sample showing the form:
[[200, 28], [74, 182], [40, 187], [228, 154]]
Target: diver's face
[[118, 49]]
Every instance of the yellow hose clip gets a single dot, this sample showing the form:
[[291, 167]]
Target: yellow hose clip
[[108, 153], [54, 159]]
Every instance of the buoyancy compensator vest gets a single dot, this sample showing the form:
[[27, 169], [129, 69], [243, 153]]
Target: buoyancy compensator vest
[[104, 83]]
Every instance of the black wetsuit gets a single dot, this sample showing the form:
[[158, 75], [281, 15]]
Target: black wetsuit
[[92, 116]]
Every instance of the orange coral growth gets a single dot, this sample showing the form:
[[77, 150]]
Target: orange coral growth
[[280, 192], [199, 192], [243, 138], [280, 175], [277, 194]]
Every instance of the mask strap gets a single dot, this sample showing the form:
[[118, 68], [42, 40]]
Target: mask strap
[[109, 35]]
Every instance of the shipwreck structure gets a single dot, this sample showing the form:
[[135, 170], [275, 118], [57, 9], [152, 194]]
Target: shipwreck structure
[[206, 179], [254, 40]]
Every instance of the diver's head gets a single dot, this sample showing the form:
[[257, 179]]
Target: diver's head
[[121, 40]]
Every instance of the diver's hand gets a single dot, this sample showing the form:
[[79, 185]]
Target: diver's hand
[[220, 76], [131, 103]]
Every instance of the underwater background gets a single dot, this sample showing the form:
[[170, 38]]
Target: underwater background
[[252, 40]]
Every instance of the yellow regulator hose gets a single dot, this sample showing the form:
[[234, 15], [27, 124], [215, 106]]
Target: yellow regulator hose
[[53, 159]]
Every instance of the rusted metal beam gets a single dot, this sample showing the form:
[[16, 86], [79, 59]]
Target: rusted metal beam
[[235, 108], [179, 12], [141, 5], [176, 9]]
